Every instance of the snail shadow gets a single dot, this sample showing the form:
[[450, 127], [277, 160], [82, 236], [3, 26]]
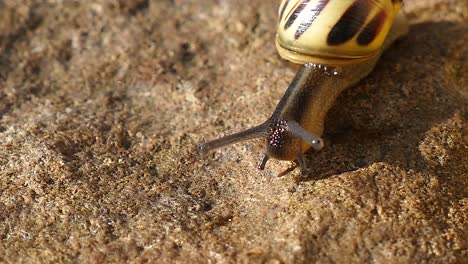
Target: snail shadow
[[387, 116]]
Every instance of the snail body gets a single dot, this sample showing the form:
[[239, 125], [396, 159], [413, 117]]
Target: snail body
[[338, 43]]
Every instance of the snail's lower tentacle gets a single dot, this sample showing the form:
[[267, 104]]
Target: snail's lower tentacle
[[301, 162], [263, 162]]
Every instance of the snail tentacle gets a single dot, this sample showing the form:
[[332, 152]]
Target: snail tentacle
[[251, 133], [263, 161], [302, 165], [297, 130]]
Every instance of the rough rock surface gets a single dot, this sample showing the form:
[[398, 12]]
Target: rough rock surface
[[102, 104]]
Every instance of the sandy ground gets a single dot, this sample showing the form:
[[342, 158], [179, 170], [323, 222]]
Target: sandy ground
[[102, 104]]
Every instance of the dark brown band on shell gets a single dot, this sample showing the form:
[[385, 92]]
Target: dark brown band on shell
[[296, 13], [349, 23], [372, 29], [314, 13]]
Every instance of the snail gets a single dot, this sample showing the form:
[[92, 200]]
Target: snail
[[337, 43]]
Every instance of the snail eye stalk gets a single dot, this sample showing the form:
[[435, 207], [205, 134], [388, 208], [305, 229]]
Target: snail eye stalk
[[251, 133], [298, 131]]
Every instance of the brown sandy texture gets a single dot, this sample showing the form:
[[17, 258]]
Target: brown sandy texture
[[103, 102]]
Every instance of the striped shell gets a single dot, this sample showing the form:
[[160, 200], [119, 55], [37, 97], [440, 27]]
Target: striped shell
[[333, 32]]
